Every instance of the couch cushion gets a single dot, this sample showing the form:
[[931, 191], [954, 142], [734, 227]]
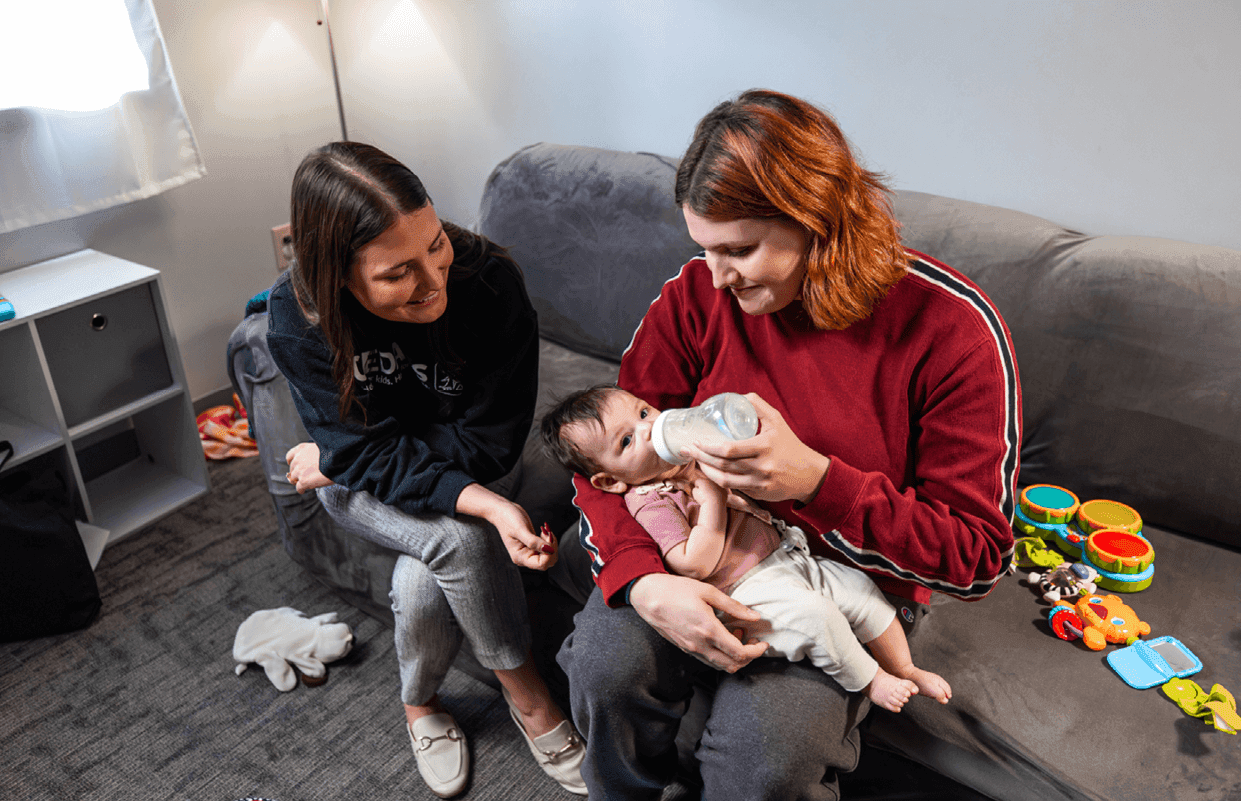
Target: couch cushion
[[1129, 350], [545, 488], [599, 231], [1035, 718]]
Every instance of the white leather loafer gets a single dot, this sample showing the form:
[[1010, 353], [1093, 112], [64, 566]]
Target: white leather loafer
[[559, 752], [441, 753]]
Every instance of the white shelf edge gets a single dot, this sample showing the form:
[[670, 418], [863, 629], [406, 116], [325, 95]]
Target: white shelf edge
[[43, 288], [128, 410]]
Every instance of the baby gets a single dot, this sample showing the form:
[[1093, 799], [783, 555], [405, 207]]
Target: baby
[[812, 607]]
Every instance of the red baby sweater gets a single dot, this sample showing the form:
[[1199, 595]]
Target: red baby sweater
[[918, 407]]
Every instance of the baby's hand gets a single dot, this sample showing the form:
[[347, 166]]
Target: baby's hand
[[706, 491]]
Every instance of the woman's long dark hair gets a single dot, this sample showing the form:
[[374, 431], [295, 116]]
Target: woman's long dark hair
[[346, 194]]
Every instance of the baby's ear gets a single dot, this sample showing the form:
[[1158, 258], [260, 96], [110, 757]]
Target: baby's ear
[[608, 483]]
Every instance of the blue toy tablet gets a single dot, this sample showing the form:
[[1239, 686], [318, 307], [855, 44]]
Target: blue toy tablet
[[6, 310], [1147, 663]]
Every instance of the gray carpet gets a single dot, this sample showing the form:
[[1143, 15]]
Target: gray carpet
[[144, 703]]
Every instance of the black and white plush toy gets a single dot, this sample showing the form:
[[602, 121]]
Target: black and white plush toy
[[283, 639]]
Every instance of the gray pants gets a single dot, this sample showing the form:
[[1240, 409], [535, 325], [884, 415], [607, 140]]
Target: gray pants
[[775, 729], [454, 579]]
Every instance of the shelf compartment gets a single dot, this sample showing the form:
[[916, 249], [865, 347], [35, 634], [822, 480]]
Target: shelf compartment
[[27, 413], [28, 441], [105, 353], [138, 493], [130, 409], [161, 467]]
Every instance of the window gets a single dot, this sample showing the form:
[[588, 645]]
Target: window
[[78, 55], [90, 115]]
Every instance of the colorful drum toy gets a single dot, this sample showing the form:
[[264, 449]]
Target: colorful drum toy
[[1124, 560], [1123, 557]]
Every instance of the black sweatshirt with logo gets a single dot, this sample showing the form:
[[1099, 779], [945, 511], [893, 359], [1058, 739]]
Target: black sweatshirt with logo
[[432, 419]]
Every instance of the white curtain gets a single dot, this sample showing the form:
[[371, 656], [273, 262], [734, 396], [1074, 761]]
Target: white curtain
[[58, 164]]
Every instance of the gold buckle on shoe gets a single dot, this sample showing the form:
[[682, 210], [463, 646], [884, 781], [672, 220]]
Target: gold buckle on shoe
[[571, 744], [451, 735]]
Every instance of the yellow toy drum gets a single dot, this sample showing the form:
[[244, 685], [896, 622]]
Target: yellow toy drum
[[1124, 560], [1095, 516]]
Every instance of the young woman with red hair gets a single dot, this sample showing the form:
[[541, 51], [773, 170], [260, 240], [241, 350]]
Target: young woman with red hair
[[890, 425]]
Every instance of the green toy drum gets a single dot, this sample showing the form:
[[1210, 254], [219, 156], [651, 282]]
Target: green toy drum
[[1125, 560]]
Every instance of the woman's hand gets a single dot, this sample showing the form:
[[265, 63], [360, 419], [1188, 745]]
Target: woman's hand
[[683, 610], [525, 547], [773, 465], [304, 475]]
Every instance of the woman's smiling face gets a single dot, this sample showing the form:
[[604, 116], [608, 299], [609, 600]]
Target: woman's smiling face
[[402, 274], [761, 261]]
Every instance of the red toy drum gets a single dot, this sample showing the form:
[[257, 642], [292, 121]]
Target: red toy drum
[[1125, 560]]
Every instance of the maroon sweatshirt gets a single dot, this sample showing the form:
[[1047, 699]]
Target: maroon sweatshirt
[[918, 407]]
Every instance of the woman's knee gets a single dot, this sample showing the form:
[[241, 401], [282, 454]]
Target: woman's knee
[[334, 500], [464, 540], [415, 594], [788, 724], [613, 653]]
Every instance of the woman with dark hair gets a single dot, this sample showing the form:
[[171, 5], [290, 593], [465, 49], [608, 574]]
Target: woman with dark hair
[[890, 421], [410, 347]]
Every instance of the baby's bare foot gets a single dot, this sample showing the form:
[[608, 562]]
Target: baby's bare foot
[[929, 684], [889, 691]]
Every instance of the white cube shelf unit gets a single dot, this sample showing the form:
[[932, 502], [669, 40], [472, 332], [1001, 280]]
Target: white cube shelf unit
[[90, 376]]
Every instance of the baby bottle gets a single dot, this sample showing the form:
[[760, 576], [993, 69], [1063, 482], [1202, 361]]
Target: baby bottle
[[720, 418]]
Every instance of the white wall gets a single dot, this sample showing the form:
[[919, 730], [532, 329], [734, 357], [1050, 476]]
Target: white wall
[[1108, 116], [1111, 116], [256, 82]]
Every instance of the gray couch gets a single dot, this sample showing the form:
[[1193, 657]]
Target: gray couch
[[1129, 351]]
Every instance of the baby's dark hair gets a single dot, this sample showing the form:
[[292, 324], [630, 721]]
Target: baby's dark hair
[[583, 406]]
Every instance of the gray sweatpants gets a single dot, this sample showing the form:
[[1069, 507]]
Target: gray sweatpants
[[776, 729]]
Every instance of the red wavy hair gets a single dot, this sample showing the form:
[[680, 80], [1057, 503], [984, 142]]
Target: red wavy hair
[[771, 155]]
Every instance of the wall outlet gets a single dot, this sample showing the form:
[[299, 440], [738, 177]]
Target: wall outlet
[[282, 242]]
